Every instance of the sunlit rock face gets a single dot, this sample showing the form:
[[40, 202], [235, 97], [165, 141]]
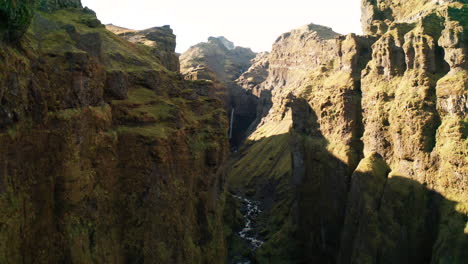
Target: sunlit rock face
[[358, 149], [216, 59]]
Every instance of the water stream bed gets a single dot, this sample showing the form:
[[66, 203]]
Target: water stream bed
[[250, 209]]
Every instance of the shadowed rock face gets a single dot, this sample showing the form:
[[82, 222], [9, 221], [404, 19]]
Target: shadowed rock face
[[349, 126], [245, 97], [106, 156]]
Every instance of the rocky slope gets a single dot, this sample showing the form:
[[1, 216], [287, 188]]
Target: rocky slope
[[358, 153], [161, 40], [103, 148]]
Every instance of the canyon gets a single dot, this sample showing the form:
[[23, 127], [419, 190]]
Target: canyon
[[329, 148]]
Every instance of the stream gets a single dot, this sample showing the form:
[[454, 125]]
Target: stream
[[250, 210]]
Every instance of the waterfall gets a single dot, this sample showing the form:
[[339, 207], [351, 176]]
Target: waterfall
[[231, 123]]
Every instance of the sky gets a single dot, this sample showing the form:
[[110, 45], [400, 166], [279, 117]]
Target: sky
[[255, 24]]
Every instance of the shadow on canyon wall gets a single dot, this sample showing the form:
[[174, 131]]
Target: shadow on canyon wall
[[248, 112], [318, 210]]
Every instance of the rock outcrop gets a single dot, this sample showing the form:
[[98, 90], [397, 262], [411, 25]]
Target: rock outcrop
[[217, 59], [161, 40], [358, 153], [106, 156]]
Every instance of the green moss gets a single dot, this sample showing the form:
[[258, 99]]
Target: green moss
[[281, 248], [88, 192], [141, 96], [375, 165], [268, 159], [126, 56], [452, 84], [67, 114], [164, 254], [58, 41], [152, 131], [161, 111], [118, 54]]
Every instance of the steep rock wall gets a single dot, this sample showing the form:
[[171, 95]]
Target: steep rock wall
[[297, 139], [358, 152], [161, 40], [106, 156], [411, 116]]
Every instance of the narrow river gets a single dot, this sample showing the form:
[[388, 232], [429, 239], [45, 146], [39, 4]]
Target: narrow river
[[250, 232]]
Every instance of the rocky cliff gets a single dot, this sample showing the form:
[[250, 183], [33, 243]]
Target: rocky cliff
[[221, 62], [358, 153], [216, 59], [352, 149], [106, 154], [161, 40]]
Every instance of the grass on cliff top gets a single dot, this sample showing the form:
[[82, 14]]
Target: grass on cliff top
[[139, 95], [144, 102], [162, 114], [48, 30], [101, 112]]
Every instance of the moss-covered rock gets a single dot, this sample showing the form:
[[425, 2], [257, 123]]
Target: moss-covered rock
[[103, 158], [356, 109]]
